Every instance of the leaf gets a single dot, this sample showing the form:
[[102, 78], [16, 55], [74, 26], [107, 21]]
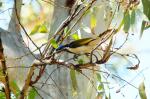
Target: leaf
[[98, 77], [74, 81], [93, 21], [54, 43], [14, 88], [133, 17], [107, 52], [146, 8], [100, 87], [142, 28], [2, 95], [35, 30], [126, 21], [75, 36], [42, 29], [32, 94], [142, 91]]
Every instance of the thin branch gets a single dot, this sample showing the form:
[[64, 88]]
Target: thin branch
[[4, 71]]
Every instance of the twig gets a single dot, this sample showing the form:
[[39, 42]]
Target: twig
[[4, 71]]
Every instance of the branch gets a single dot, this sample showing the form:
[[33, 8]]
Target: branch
[[4, 71]]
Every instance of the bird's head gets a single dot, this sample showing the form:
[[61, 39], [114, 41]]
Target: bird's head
[[61, 47]]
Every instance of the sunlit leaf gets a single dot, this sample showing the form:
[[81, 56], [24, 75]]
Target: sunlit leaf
[[54, 43], [126, 21], [35, 30], [100, 87], [43, 29], [74, 81], [66, 30], [32, 94], [75, 36], [142, 91], [93, 21], [146, 8]]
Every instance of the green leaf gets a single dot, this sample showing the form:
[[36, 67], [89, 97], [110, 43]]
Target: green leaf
[[1, 4], [75, 36], [98, 77], [126, 21], [42, 29], [2, 95], [93, 21], [142, 28], [142, 91], [35, 29], [32, 94], [100, 87], [14, 88], [54, 43], [146, 8], [133, 16], [81, 61], [74, 81]]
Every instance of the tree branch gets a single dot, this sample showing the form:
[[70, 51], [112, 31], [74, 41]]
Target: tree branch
[[4, 71]]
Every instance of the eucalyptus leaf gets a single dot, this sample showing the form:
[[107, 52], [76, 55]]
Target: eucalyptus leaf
[[54, 43], [146, 8], [142, 91], [126, 21]]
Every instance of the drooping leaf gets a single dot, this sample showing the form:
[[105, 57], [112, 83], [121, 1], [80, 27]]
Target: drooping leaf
[[1, 4], [32, 94], [98, 77], [142, 91], [75, 36], [43, 29], [35, 30], [133, 16], [126, 21], [142, 28], [107, 52], [39, 29], [54, 43], [14, 88], [74, 81], [146, 8], [93, 21]]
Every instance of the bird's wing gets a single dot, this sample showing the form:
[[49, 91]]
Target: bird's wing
[[80, 42]]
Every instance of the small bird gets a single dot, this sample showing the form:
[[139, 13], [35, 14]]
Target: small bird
[[85, 45]]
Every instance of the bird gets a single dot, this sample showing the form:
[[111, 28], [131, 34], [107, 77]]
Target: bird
[[85, 45]]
